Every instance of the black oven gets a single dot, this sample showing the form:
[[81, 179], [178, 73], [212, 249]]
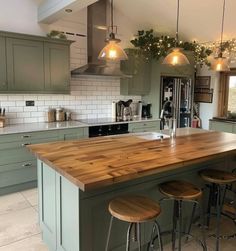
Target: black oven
[[105, 130]]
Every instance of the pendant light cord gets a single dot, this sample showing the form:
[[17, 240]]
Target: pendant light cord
[[177, 26], [222, 27], [112, 16]]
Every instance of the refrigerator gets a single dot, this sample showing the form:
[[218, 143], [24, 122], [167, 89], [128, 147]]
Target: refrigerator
[[179, 91]]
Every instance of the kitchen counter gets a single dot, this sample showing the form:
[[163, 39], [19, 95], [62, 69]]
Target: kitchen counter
[[33, 127], [223, 119], [78, 179], [95, 163]]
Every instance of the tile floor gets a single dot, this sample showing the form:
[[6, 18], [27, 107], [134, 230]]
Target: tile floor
[[19, 230]]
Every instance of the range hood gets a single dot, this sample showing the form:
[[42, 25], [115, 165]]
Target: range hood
[[97, 23]]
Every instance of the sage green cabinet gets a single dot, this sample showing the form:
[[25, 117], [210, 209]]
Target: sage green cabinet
[[33, 64], [18, 165], [3, 67], [144, 126], [222, 126], [139, 71], [57, 68], [25, 65]]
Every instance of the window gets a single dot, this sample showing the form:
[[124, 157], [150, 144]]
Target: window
[[227, 93], [232, 94]]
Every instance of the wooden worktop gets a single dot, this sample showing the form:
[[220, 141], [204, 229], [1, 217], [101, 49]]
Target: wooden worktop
[[98, 162]]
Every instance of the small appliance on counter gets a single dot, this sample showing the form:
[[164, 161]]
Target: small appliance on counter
[[146, 111], [123, 110], [127, 110], [2, 117]]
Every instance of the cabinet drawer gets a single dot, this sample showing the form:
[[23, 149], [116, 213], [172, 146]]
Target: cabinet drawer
[[17, 166], [77, 133], [15, 155], [23, 143], [221, 126], [145, 124], [18, 176], [20, 137], [146, 129]]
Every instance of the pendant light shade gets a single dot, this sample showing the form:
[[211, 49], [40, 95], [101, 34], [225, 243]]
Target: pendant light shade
[[112, 51], [221, 63], [176, 56]]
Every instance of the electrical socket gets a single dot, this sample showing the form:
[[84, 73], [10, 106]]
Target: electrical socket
[[29, 103]]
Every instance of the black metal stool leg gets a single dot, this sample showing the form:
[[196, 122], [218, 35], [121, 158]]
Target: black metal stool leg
[[159, 236], [209, 205], [139, 236], [156, 228], [180, 224], [109, 233], [191, 220], [218, 208], [128, 237], [175, 213], [202, 222]]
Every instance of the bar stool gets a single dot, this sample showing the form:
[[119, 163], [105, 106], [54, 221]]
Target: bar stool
[[219, 181], [135, 210], [179, 192]]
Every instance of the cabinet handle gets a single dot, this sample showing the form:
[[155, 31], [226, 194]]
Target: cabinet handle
[[144, 124], [25, 144], [27, 165], [26, 136]]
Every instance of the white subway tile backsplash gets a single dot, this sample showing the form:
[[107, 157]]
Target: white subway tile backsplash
[[8, 103]]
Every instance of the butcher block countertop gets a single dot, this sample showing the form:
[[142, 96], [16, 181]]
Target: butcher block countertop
[[98, 162]]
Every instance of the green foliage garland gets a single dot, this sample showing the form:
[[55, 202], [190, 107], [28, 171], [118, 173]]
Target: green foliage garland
[[152, 46]]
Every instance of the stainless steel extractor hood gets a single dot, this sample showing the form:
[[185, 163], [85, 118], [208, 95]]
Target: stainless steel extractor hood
[[96, 36]]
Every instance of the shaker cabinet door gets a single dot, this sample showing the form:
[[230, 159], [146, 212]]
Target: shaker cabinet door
[[25, 65], [3, 68], [57, 68], [140, 72]]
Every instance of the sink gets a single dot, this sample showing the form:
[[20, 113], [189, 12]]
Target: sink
[[150, 135]]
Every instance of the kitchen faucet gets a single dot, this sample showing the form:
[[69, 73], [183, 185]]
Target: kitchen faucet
[[170, 122]]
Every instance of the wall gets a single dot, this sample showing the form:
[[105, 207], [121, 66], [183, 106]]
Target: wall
[[209, 110], [91, 97], [21, 16]]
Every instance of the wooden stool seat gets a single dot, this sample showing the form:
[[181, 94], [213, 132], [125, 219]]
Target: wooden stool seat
[[217, 176], [180, 190], [134, 209]]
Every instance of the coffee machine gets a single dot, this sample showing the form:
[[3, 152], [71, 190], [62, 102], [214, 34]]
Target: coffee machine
[[127, 110], [146, 111], [123, 110]]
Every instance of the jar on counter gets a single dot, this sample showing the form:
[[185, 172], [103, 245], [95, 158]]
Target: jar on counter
[[50, 115], [60, 114]]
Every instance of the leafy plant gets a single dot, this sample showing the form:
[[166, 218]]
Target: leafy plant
[[155, 47], [56, 34]]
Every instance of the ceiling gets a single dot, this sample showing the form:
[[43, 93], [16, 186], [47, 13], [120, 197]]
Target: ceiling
[[199, 19]]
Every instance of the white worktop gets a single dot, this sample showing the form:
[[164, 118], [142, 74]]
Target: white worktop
[[34, 127]]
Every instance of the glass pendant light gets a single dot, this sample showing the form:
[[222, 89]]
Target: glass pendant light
[[112, 51], [221, 63], [176, 56]]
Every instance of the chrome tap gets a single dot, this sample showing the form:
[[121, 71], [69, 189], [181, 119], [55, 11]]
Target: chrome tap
[[170, 122]]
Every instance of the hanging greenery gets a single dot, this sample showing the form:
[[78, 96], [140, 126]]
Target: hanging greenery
[[155, 47]]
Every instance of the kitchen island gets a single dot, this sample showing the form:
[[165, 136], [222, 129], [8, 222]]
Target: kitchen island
[[77, 179]]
